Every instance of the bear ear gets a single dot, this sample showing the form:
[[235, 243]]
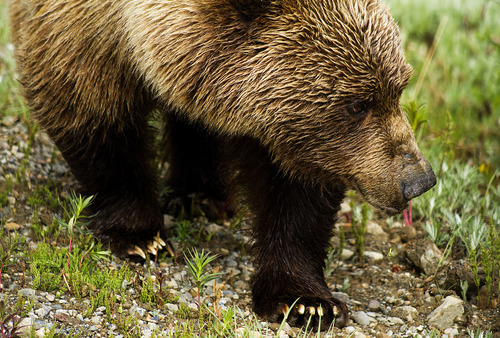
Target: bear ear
[[249, 10]]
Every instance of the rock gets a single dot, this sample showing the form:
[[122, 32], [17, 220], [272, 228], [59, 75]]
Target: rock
[[406, 313], [43, 311], [50, 297], [391, 299], [430, 259], [374, 256], [342, 296], [376, 231], [12, 226], [168, 221], [350, 329], [374, 305], [443, 316], [139, 310], [345, 208], [173, 307], [27, 293], [146, 332], [96, 320], [172, 284], [346, 254], [185, 298], [395, 321], [423, 255], [407, 233], [25, 326], [451, 332], [40, 333], [213, 228], [362, 318]]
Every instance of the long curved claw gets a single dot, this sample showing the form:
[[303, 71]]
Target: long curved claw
[[137, 251]]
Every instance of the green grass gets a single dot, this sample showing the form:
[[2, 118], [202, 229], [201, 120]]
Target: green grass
[[11, 102], [463, 76]]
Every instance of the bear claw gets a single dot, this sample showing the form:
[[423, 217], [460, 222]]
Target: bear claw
[[335, 310], [153, 247], [137, 251], [285, 309], [321, 313]]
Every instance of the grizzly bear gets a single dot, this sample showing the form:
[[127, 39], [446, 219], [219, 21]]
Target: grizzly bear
[[296, 100]]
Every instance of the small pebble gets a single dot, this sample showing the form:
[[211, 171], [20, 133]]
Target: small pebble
[[362, 318], [374, 305]]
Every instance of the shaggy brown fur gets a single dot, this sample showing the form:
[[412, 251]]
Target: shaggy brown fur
[[300, 97]]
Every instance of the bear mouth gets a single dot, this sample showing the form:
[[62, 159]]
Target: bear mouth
[[389, 210]]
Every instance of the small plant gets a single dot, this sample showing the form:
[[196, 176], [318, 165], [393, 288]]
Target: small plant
[[9, 323], [8, 250], [478, 333], [4, 199], [197, 263], [433, 229], [464, 286], [359, 220], [77, 205], [417, 116], [185, 232], [147, 291]]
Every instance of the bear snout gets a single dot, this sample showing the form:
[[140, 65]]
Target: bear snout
[[419, 183]]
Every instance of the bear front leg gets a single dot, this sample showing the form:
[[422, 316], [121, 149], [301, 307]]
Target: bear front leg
[[292, 228], [115, 166]]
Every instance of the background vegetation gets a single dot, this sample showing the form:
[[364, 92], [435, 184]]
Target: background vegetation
[[453, 103]]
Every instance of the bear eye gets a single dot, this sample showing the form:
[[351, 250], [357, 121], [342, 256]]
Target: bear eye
[[358, 108]]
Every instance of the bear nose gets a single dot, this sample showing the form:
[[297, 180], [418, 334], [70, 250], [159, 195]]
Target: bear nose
[[419, 184]]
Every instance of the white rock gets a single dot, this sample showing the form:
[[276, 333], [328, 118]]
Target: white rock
[[11, 200], [213, 228], [395, 321], [350, 329], [173, 307], [430, 259], [374, 256], [96, 320], [25, 326], [43, 311], [406, 313], [172, 284], [451, 332], [362, 318], [443, 316], [41, 333], [376, 230], [345, 208], [346, 254], [28, 293]]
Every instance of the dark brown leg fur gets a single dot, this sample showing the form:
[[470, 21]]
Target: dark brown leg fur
[[194, 157], [292, 227], [115, 167]]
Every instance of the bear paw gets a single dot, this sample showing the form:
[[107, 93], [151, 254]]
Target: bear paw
[[153, 247], [312, 313]]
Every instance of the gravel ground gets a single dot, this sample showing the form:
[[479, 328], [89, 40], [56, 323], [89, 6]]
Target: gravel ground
[[390, 295]]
